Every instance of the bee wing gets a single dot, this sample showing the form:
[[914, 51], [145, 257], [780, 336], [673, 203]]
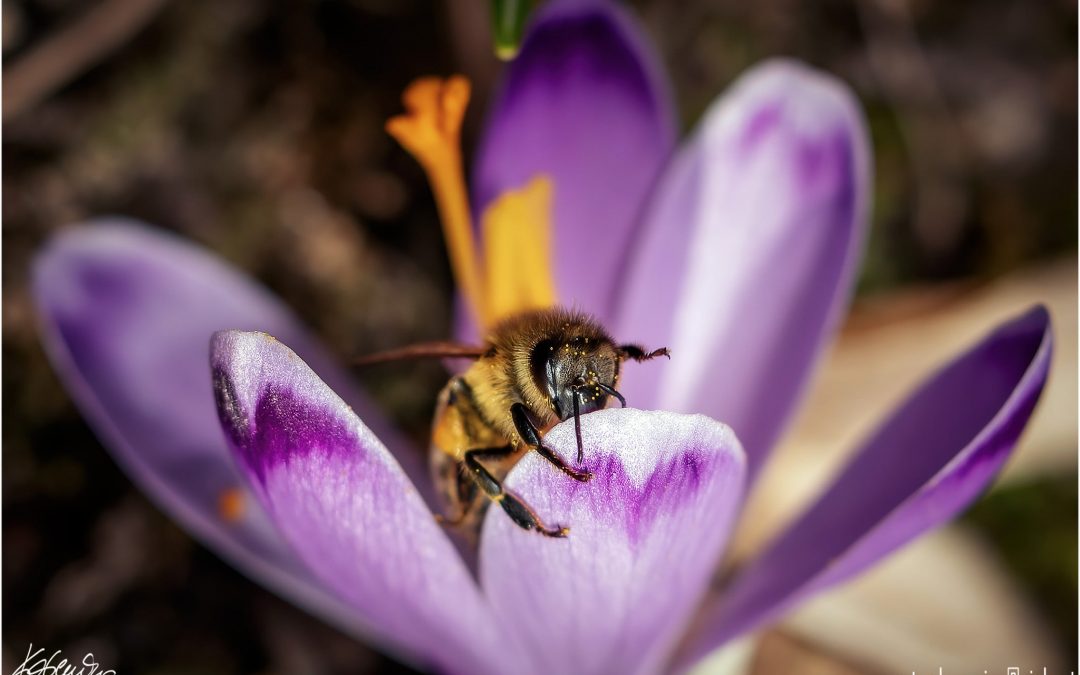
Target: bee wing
[[423, 350]]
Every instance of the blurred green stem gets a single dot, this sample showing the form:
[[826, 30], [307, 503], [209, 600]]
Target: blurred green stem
[[507, 25]]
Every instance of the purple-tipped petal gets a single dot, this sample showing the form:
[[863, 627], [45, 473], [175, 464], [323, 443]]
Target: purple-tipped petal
[[126, 315], [645, 537], [345, 505], [748, 252], [931, 459], [584, 103]]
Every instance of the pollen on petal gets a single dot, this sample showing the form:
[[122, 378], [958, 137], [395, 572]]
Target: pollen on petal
[[231, 505], [517, 249]]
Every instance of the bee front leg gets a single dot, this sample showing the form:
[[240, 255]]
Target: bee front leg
[[529, 434], [638, 353], [518, 511]]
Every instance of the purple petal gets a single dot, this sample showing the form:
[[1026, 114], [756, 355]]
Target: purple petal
[[126, 315], [645, 537], [936, 454], [584, 103], [748, 252], [345, 505]]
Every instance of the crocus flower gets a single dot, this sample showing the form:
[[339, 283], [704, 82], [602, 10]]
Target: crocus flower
[[737, 251]]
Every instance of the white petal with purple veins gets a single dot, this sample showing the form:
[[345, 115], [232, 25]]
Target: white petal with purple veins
[[346, 507], [645, 537]]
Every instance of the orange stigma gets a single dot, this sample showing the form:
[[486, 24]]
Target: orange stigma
[[515, 271], [431, 131]]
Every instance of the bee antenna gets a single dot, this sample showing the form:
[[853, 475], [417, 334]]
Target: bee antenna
[[577, 427], [610, 391]]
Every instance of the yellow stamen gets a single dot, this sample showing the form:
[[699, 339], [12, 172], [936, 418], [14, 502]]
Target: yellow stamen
[[431, 131], [231, 504], [517, 250]]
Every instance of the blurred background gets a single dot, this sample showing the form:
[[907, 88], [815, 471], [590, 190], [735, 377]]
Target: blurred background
[[255, 129]]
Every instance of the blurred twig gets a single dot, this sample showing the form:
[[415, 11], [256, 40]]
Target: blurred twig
[[58, 59]]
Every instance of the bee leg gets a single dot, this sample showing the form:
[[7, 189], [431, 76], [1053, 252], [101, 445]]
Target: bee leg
[[638, 353], [465, 496], [518, 511], [527, 430]]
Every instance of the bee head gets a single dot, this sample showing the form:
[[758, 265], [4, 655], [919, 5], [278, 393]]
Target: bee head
[[580, 369]]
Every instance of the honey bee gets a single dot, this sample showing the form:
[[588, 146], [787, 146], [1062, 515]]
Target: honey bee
[[534, 370]]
